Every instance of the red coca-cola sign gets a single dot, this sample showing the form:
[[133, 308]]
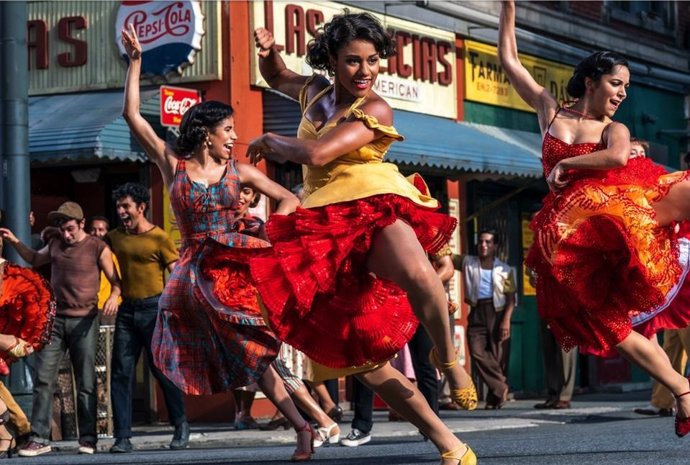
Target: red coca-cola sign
[[175, 101]]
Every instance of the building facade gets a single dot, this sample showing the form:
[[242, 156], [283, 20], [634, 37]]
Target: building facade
[[475, 143]]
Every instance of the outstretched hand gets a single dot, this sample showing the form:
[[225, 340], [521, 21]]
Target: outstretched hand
[[131, 43], [557, 179], [259, 150], [264, 40]]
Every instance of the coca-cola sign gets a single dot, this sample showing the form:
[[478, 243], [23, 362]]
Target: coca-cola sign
[[169, 32], [175, 101]]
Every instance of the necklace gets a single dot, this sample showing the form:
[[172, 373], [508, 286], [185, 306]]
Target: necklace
[[581, 114]]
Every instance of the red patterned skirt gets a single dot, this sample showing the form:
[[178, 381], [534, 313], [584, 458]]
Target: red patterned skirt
[[210, 336], [27, 309], [602, 259], [318, 294]]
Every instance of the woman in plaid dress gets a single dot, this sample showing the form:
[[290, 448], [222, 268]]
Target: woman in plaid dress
[[211, 345]]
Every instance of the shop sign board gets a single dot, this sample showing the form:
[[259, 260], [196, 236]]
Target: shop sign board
[[486, 82], [175, 101], [169, 33], [421, 77], [74, 45]]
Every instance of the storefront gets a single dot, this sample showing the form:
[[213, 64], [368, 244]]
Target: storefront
[[79, 144]]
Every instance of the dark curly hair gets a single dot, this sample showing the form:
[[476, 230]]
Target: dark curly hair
[[493, 232], [593, 67], [343, 29], [138, 192], [197, 122]]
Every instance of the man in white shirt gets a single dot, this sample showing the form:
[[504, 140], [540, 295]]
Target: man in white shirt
[[490, 293]]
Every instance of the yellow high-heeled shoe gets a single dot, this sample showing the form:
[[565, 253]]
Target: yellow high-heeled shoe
[[465, 397], [468, 458]]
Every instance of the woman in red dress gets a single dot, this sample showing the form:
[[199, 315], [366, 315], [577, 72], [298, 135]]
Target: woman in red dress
[[605, 249], [350, 276], [213, 346]]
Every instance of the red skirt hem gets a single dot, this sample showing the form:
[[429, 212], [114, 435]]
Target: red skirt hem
[[318, 293]]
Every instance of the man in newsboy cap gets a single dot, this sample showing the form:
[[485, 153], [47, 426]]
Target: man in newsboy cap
[[76, 260]]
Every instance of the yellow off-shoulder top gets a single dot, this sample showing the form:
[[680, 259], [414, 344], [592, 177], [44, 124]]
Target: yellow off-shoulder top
[[357, 174]]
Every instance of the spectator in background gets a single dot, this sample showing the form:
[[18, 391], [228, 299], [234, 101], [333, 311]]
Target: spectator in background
[[145, 252], [490, 292], [76, 261], [99, 227]]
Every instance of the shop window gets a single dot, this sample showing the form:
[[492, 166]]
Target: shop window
[[657, 16]]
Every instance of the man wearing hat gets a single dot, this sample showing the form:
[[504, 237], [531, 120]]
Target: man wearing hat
[[76, 261]]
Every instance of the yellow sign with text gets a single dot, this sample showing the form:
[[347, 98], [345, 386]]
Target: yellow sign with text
[[527, 241], [486, 82]]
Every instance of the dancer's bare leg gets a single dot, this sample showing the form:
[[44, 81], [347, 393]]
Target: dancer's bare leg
[[321, 391], [404, 397], [641, 351], [272, 386], [306, 402], [397, 255], [675, 205]]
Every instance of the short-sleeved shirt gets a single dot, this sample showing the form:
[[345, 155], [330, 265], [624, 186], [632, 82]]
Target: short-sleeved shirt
[[143, 258], [105, 288], [75, 275]]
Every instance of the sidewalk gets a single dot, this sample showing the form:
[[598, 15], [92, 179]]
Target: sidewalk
[[515, 414]]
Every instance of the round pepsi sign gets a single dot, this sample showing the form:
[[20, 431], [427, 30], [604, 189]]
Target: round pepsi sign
[[169, 32]]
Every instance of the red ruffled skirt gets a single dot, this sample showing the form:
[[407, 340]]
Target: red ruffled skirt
[[27, 309], [601, 259], [318, 294]]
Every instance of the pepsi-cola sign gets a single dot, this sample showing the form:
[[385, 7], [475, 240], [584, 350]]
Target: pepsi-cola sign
[[169, 32], [175, 101]]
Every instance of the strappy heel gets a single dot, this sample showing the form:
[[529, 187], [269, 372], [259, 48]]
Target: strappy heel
[[328, 435], [468, 458], [304, 455], [465, 397], [682, 424], [7, 453]]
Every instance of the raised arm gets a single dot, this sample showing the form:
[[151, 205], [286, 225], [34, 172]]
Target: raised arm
[[529, 90], [33, 257], [347, 136], [615, 155], [153, 145], [287, 201], [273, 68]]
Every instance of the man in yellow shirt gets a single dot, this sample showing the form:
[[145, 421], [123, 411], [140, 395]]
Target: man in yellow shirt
[[144, 251], [99, 227]]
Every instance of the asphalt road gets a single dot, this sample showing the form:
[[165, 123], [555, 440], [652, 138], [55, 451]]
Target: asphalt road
[[591, 433]]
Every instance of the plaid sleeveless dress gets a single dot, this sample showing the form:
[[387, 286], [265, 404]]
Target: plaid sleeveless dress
[[210, 336]]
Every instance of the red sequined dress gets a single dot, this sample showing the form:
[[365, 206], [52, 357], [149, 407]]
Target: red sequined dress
[[210, 335], [601, 258], [317, 290], [27, 308]]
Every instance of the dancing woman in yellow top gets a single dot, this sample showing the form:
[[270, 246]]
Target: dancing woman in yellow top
[[350, 276]]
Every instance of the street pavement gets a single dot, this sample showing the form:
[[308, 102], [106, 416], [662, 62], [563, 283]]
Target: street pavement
[[600, 428]]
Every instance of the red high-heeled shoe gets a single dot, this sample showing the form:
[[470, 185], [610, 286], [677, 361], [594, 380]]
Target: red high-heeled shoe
[[304, 455], [682, 424]]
